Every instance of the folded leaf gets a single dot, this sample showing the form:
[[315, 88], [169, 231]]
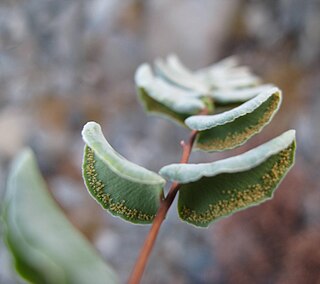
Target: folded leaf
[[225, 75], [182, 79], [153, 106], [175, 64], [230, 96], [213, 190], [123, 188], [234, 127], [228, 63], [222, 75], [160, 97], [228, 82], [225, 82], [45, 246]]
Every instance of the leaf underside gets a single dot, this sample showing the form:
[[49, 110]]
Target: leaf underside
[[178, 77], [151, 105], [230, 185], [45, 246], [233, 133], [160, 97], [225, 97], [224, 81], [123, 188]]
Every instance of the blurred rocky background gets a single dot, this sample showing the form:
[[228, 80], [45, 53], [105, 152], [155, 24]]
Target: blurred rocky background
[[65, 62]]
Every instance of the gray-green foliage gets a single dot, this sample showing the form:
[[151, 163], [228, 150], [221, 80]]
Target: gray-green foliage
[[231, 184], [232, 128], [123, 188], [207, 191], [168, 100], [45, 246]]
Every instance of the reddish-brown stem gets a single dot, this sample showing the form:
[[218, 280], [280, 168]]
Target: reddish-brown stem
[[161, 214]]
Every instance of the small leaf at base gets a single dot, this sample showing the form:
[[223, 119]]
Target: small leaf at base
[[45, 246]]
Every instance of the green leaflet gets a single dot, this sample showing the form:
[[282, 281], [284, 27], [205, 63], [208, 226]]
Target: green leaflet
[[175, 64], [225, 82], [123, 188], [228, 63], [213, 190], [45, 246], [170, 101], [224, 76], [234, 127], [231, 96], [152, 105], [227, 75], [177, 74]]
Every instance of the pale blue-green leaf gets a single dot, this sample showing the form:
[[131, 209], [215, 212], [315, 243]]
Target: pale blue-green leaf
[[45, 246], [185, 173], [227, 82], [152, 106], [222, 75], [223, 65], [227, 96], [175, 98], [160, 98], [234, 127], [230, 78], [226, 67], [175, 64], [203, 122], [182, 79], [118, 185], [213, 190]]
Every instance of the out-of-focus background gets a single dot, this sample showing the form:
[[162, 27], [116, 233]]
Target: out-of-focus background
[[65, 62]]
